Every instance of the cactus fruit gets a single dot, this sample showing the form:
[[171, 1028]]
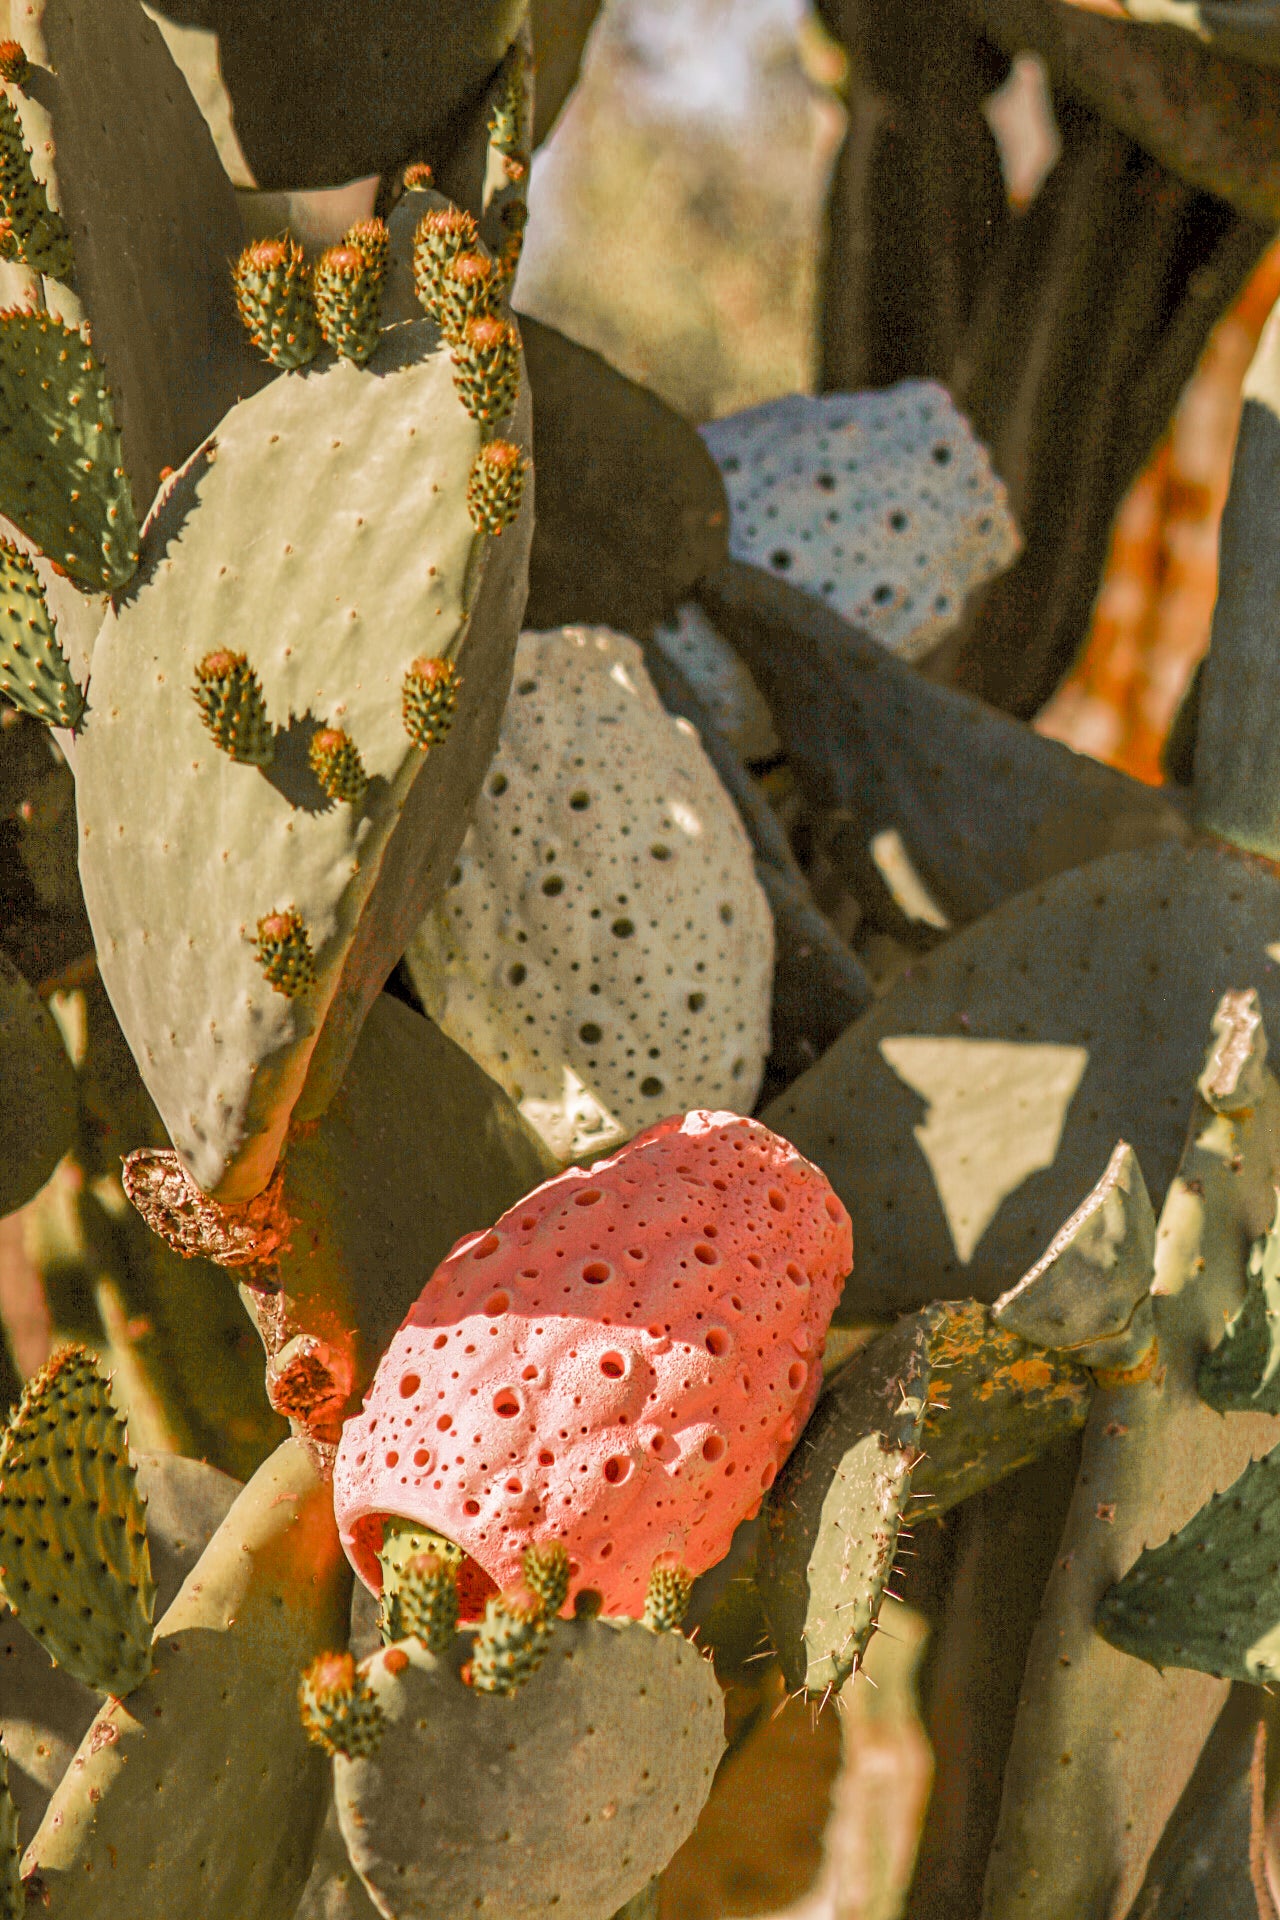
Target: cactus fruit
[[604, 949], [348, 295], [372, 239], [511, 1645], [547, 1572], [496, 487], [40, 234], [418, 177], [14, 64], [441, 236], [666, 1599], [214, 1732], [429, 701], [229, 695], [486, 360], [636, 1406], [336, 763], [34, 672], [74, 1563], [285, 953], [470, 288], [424, 1603], [62, 480], [1240, 1375], [274, 294], [567, 1795], [403, 1544], [339, 1712]]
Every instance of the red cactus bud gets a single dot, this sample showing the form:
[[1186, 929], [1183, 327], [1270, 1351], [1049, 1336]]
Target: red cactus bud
[[418, 177], [14, 65]]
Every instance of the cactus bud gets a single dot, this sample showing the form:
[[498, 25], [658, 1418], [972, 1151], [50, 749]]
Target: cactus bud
[[546, 1574], [274, 295], [284, 952], [348, 290], [429, 700], [373, 239], [41, 234], [418, 177], [425, 1603], [339, 1710], [440, 237], [510, 1645], [34, 672], [471, 286], [486, 363], [336, 763], [233, 707], [14, 65], [496, 486], [508, 130], [667, 1600]]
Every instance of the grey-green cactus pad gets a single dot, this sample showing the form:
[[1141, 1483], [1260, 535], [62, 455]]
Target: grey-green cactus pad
[[1242, 1373], [37, 1091], [565, 1798], [199, 1794], [996, 1076], [1209, 1597], [327, 519]]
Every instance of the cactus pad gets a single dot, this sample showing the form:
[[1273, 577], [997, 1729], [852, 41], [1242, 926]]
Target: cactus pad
[[34, 672], [62, 480], [486, 362], [229, 696], [339, 1712], [604, 949], [614, 1741], [362, 559], [348, 295], [42, 240], [640, 1413], [666, 1599], [1242, 1374], [496, 487], [429, 701], [511, 1645], [13, 1898], [336, 763], [74, 1564], [274, 294]]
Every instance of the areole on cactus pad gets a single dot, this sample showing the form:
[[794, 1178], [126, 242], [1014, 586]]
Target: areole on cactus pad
[[621, 1363]]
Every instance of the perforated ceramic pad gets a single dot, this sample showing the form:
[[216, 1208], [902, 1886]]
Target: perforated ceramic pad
[[604, 949], [883, 504]]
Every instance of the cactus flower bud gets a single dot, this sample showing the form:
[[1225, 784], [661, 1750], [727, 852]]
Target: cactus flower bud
[[418, 177], [233, 707], [339, 1710], [284, 952], [496, 486], [274, 294], [440, 237], [336, 763], [510, 1646], [429, 700], [486, 367], [546, 1574], [667, 1598], [348, 293], [14, 65]]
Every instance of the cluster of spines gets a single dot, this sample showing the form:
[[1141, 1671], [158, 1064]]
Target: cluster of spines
[[283, 947], [429, 701], [73, 1539], [233, 707], [339, 1709], [496, 487], [34, 672], [35, 233], [336, 763], [288, 308]]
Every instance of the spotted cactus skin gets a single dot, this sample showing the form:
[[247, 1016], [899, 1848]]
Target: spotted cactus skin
[[622, 1363]]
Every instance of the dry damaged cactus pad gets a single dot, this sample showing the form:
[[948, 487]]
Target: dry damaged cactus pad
[[604, 951], [882, 503], [622, 1363]]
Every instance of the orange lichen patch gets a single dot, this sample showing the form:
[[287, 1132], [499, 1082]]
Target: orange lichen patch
[[1112, 1377], [251, 1234]]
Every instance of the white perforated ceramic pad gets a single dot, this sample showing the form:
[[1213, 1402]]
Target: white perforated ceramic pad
[[604, 950], [883, 504]]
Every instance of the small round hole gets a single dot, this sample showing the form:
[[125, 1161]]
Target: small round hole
[[651, 1087], [590, 1034], [422, 1458], [769, 1475], [496, 1305], [530, 1372], [471, 1506], [777, 1200], [444, 1423], [506, 1403], [606, 1549], [441, 1340], [717, 1342], [393, 1458], [613, 1366], [596, 1272], [483, 1248], [713, 1447], [588, 1197], [833, 1207], [706, 1253], [409, 1384], [616, 1469], [552, 885], [797, 1374], [580, 801], [623, 928], [546, 1459], [797, 1275]]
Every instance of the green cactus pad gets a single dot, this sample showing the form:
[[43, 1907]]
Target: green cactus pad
[[348, 294], [613, 1741], [667, 1600], [363, 557], [336, 763], [496, 487], [34, 672], [510, 1646], [486, 362], [339, 1713], [831, 1527], [74, 1563], [274, 295], [1089, 1294], [997, 1075], [37, 1092], [1242, 1374], [214, 1733], [1103, 1745], [43, 243], [62, 480], [153, 224], [228, 694], [547, 1573], [423, 1604], [1209, 1597], [13, 1898]]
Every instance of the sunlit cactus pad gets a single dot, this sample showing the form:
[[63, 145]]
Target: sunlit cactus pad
[[564, 1797], [326, 524], [604, 949]]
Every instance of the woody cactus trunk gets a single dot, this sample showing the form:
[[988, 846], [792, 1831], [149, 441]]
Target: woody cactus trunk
[[390, 1507]]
